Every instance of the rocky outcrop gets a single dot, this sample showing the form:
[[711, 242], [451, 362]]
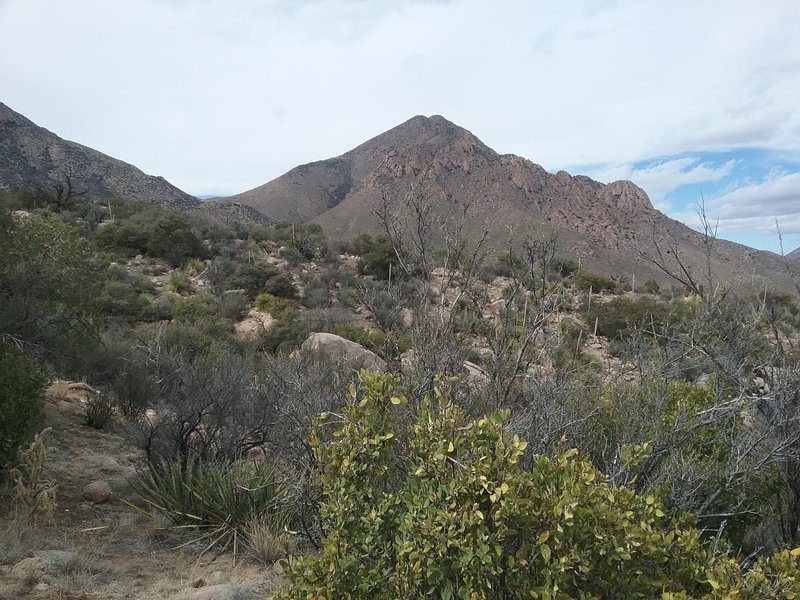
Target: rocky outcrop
[[343, 349], [31, 157], [233, 212], [610, 227]]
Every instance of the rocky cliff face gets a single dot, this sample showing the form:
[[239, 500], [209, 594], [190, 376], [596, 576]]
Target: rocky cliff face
[[611, 227], [32, 157]]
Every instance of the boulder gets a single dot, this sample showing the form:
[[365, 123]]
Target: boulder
[[38, 568], [97, 492], [406, 318], [495, 309], [345, 350], [83, 386], [473, 374], [29, 570]]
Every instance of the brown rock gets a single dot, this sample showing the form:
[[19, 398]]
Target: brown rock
[[346, 350], [97, 492], [29, 570], [473, 374]]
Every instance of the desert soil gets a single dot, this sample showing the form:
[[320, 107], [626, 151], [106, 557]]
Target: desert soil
[[108, 550]]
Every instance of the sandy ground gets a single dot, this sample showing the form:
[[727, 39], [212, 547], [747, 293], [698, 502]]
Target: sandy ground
[[111, 551]]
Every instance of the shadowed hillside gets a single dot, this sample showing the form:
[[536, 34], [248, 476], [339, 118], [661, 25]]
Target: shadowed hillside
[[31, 157]]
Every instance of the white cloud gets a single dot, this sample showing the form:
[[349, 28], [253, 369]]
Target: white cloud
[[661, 178], [755, 207], [223, 96]]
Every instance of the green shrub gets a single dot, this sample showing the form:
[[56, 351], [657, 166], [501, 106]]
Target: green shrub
[[154, 231], [121, 299], [315, 293], [284, 335], [22, 384], [281, 286], [49, 284], [371, 339], [616, 317], [251, 277], [195, 267], [194, 308], [304, 240], [508, 264], [232, 305], [292, 255], [179, 283], [563, 267], [99, 411], [122, 237], [173, 237], [278, 308], [376, 256], [586, 280], [652, 287], [445, 510]]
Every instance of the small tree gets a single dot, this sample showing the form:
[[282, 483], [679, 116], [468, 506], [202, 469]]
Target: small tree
[[21, 409]]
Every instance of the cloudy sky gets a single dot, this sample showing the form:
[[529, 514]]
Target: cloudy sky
[[690, 99]]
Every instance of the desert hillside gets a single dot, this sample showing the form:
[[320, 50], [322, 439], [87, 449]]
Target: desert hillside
[[33, 158], [612, 228]]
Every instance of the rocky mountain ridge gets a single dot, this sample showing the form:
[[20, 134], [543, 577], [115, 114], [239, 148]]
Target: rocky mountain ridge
[[612, 227], [31, 157]]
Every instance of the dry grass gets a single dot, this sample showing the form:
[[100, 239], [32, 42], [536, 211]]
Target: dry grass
[[83, 572], [119, 553], [267, 543], [20, 540]]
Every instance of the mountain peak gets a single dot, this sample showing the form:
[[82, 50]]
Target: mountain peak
[[31, 157]]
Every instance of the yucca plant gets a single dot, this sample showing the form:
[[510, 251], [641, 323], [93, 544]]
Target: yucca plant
[[218, 499]]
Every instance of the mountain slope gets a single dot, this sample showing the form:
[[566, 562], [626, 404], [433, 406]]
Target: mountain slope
[[31, 157], [610, 227]]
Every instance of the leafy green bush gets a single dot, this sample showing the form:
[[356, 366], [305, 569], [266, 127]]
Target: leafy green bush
[[281, 286], [50, 283], [155, 231], [306, 240], [285, 335], [22, 383], [121, 299], [563, 267], [220, 499], [652, 287], [173, 237], [586, 280], [445, 510], [252, 277], [615, 317], [315, 293], [507, 264], [278, 308], [371, 339], [376, 256], [194, 308]]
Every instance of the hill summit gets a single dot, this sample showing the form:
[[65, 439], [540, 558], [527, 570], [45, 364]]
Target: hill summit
[[31, 157], [612, 227]]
